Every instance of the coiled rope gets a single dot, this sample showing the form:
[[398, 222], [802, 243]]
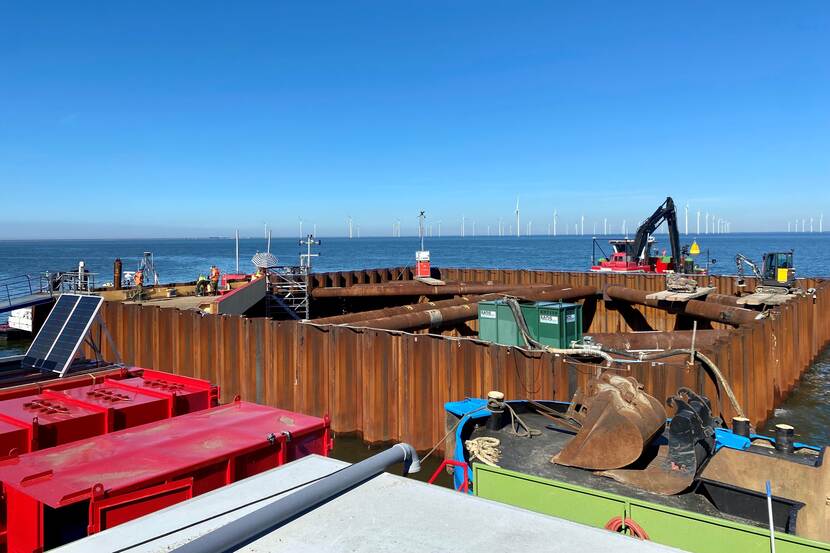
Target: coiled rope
[[485, 449]]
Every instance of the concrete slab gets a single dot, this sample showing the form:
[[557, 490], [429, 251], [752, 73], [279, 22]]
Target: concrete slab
[[386, 514]]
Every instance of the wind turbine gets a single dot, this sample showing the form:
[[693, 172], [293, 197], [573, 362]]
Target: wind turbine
[[698, 222], [518, 219], [582, 225], [555, 219], [687, 219], [349, 221]]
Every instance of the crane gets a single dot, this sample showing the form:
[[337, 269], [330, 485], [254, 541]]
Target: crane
[[666, 212], [634, 255]]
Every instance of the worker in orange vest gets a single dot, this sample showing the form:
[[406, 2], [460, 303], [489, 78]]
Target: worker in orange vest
[[214, 279]]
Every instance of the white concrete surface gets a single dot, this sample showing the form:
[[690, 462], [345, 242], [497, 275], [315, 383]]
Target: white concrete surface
[[387, 514]]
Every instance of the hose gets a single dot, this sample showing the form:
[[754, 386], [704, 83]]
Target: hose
[[538, 346], [721, 382], [618, 524]]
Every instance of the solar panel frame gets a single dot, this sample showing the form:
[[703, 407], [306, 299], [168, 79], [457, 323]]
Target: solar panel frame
[[74, 327], [49, 332]]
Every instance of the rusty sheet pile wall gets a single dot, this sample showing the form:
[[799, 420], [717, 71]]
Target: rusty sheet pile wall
[[392, 386]]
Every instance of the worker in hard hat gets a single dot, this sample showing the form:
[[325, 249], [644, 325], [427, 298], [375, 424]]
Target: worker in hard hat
[[214, 279]]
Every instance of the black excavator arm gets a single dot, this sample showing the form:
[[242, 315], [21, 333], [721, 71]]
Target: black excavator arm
[[667, 213]]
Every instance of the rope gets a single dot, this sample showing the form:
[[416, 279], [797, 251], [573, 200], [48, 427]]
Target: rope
[[485, 449], [520, 427], [450, 431]]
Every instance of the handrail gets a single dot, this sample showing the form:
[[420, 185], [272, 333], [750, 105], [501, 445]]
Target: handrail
[[17, 286]]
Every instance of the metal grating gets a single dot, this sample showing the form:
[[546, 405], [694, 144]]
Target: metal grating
[[58, 341]]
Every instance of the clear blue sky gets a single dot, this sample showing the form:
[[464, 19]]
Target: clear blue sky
[[193, 118]]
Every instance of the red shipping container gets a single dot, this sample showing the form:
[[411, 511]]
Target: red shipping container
[[76, 489]]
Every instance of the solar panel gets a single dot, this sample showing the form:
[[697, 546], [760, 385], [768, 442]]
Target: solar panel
[[58, 341]]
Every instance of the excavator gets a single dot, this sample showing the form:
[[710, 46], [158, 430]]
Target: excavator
[[776, 274], [635, 256]]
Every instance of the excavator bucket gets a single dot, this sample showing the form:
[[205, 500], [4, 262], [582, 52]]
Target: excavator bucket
[[691, 440], [618, 421]]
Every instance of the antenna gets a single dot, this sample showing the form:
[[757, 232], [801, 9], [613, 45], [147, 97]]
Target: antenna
[[305, 258], [421, 217]]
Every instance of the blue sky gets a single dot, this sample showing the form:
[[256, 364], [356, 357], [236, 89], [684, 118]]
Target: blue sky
[[193, 118]]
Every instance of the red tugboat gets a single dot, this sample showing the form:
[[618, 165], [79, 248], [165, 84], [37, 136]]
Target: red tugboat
[[636, 256]]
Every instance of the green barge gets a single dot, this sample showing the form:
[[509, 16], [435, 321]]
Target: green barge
[[698, 487]]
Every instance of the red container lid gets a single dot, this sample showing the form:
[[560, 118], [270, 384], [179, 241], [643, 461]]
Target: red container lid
[[47, 408], [149, 453]]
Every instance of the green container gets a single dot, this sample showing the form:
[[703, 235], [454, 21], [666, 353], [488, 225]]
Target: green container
[[554, 324], [559, 324]]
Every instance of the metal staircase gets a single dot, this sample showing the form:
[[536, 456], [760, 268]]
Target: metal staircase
[[287, 292]]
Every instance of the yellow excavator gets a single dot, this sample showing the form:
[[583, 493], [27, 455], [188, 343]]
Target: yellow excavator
[[776, 274]]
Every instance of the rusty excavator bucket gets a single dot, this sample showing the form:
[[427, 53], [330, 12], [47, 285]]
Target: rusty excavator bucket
[[690, 441], [618, 420]]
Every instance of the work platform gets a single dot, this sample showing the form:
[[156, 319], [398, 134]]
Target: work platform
[[668, 295], [762, 298], [385, 514]]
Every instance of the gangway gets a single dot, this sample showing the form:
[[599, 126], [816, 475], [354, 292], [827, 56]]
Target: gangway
[[21, 291]]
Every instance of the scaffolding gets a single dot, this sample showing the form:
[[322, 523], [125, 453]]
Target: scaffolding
[[287, 286]]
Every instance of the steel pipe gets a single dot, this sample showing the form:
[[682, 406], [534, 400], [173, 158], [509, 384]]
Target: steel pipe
[[734, 316], [542, 293], [271, 516], [415, 288], [401, 310], [437, 318]]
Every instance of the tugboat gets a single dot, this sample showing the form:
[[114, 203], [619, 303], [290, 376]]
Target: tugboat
[[611, 459], [636, 255]]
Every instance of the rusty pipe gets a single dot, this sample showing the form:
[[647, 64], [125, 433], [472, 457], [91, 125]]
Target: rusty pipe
[[401, 310], [734, 316], [437, 318], [547, 292], [415, 288]]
